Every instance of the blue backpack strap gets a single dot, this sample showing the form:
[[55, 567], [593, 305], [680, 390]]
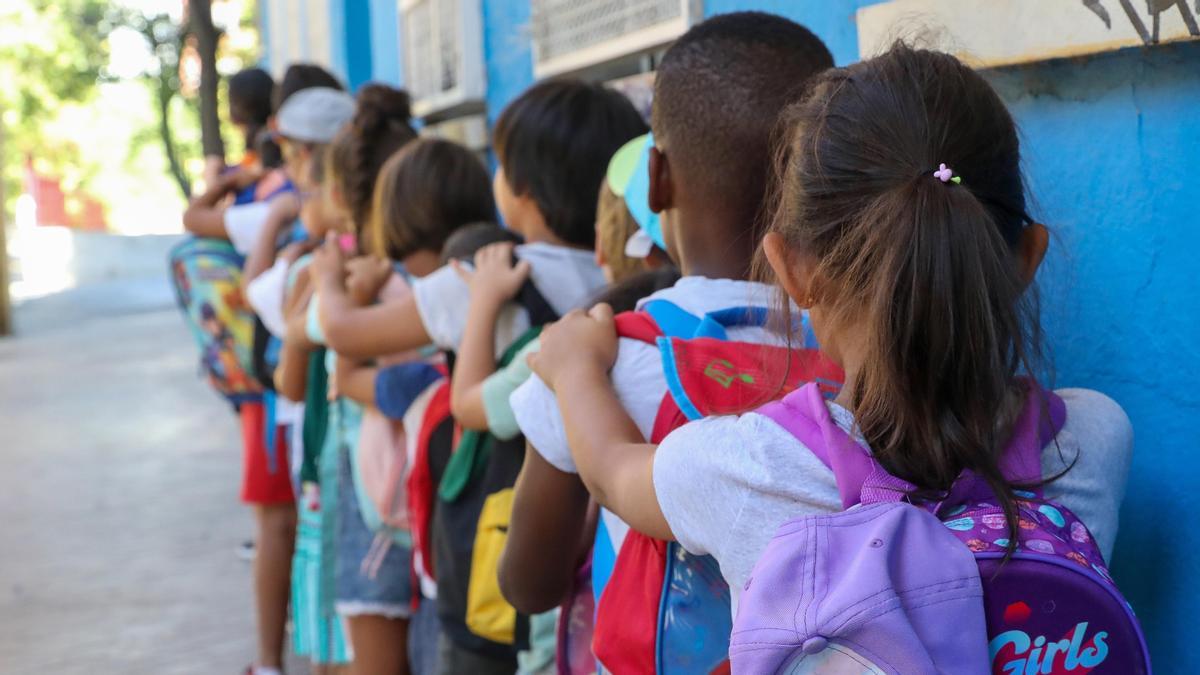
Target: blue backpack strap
[[679, 323]]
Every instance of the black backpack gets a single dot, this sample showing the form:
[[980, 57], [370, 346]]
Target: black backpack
[[471, 523]]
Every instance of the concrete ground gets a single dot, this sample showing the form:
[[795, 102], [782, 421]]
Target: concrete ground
[[119, 474]]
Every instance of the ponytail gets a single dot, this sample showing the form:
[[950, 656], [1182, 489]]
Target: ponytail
[[923, 270], [381, 126]]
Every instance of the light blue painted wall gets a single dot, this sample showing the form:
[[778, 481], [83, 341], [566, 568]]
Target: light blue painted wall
[[1111, 144], [386, 57], [350, 41], [506, 48]]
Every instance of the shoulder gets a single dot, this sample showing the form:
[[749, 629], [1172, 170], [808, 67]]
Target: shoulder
[[749, 448], [1096, 420]]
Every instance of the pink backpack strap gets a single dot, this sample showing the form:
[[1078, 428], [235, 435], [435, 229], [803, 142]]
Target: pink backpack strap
[[860, 479]]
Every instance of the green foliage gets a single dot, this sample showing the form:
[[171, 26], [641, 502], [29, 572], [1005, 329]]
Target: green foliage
[[52, 53]]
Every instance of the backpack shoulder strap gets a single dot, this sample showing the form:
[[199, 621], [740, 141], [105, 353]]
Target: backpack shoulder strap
[[861, 479], [804, 415], [535, 304]]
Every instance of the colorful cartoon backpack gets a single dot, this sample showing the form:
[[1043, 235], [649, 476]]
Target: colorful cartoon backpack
[[471, 523], [927, 589], [661, 609], [207, 277]]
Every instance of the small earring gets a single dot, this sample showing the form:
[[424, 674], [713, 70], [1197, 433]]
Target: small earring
[[809, 302]]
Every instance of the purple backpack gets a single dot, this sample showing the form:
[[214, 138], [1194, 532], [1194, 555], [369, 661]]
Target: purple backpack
[[888, 587]]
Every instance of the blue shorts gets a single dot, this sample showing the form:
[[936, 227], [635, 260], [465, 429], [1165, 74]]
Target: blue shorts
[[373, 574]]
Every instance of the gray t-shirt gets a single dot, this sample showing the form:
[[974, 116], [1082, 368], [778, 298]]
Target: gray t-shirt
[[726, 484]]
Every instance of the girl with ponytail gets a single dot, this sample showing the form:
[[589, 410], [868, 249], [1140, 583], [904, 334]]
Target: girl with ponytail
[[900, 228], [370, 569]]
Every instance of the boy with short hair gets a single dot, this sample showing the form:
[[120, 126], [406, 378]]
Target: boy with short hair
[[719, 91]]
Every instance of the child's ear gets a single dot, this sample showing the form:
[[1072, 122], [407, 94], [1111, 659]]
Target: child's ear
[[1035, 239], [662, 192], [793, 272]]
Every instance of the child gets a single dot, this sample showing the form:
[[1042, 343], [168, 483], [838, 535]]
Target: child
[[901, 228], [714, 116], [305, 125], [375, 605]]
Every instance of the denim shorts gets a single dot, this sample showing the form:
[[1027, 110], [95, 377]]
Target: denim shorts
[[368, 585]]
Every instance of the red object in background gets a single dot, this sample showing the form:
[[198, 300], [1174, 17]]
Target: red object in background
[[52, 203]]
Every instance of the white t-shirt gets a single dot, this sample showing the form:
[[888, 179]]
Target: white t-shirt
[[726, 484], [265, 293], [637, 375], [243, 224], [566, 277]]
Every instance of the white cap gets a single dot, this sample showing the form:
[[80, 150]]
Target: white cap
[[314, 115]]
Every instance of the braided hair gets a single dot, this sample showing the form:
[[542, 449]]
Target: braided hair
[[381, 126]]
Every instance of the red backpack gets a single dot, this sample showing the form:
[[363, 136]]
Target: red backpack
[[660, 608]]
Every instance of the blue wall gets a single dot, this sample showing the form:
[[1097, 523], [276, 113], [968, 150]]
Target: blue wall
[[507, 51], [386, 57], [350, 41], [1110, 147]]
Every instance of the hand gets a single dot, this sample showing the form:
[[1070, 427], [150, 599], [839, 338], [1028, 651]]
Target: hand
[[576, 343], [242, 178], [365, 277], [495, 279], [329, 262]]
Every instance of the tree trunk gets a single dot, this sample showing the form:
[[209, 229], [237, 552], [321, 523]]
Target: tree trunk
[[165, 91], [201, 25]]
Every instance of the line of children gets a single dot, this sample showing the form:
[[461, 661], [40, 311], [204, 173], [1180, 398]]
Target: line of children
[[900, 230], [482, 496]]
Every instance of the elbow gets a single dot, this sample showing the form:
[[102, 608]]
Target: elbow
[[528, 591], [465, 414]]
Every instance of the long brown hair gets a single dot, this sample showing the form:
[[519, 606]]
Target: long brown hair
[[927, 269], [380, 127]]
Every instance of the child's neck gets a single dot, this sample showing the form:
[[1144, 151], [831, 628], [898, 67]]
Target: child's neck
[[707, 249]]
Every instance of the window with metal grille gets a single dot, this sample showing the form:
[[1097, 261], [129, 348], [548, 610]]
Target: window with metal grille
[[443, 54], [574, 34]]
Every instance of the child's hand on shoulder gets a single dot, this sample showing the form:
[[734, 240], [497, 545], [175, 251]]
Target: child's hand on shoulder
[[495, 279], [328, 262], [577, 344], [365, 276]]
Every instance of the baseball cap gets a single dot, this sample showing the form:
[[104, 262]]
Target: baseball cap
[[833, 594], [628, 177], [314, 115]]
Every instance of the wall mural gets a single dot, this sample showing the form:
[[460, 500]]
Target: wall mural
[[990, 33], [1155, 8]]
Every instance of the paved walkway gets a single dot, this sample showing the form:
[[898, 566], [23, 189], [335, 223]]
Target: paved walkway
[[118, 495]]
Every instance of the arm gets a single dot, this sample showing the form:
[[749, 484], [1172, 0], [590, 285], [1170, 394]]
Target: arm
[[544, 545], [291, 375], [494, 282], [355, 381], [610, 452], [361, 332], [284, 209], [205, 214]]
